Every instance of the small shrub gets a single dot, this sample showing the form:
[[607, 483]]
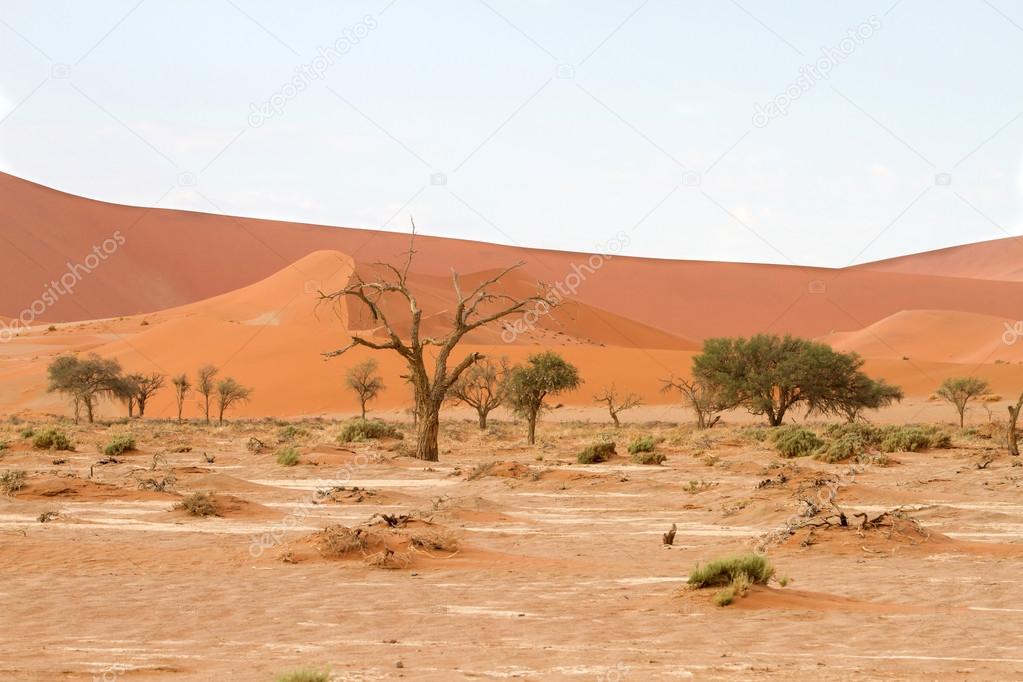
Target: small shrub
[[642, 444], [479, 471], [653, 458], [797, 442], [360, 430], [906, 439], [51, 328], [596, 453], [287, 457], [720, 572], [841, 449], [754, 434], [304, 676], [119, 445], [199, 504], [51, 439], [3, 445], [28, 433], [440, 539], [11, 482], [725, 597]]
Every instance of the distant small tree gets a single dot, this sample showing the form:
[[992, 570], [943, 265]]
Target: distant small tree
[[181, 388], [83, 380], [704, 400], [544, 374], [205, 385], [364, 381], [961, 390], [146, 386], [230, 392], [482, 387], [616, 403], [126, 390]]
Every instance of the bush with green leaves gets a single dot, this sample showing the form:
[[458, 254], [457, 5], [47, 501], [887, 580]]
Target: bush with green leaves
[[913, 438], [642, 444], [646, 457], [361, 430], [52, 439], [287, 457], [796, 442], [28, 432], [119, 445], [596, 453], [846, 446]]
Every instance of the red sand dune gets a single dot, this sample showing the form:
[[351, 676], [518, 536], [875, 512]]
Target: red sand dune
[[243, 294]]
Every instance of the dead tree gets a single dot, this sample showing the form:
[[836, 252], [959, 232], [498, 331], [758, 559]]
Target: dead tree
[[704, 400], [482, 387], [1013, 416], [615, 403], [471, 311]]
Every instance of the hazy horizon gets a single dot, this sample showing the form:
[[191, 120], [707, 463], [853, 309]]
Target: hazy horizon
[[536, 124]]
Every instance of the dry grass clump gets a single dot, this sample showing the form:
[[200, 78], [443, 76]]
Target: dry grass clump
[[735, 574], [390, 559], [596, 453], [290, 433], [439, 539], [651, 458], [337, 540], [199, 504], [479, 471], [11, 482]]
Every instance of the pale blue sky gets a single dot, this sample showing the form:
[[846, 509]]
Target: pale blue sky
[[554, 124]]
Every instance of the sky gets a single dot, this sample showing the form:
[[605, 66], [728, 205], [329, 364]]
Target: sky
[[800, 132]]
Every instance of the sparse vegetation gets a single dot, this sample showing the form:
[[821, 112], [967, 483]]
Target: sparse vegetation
[[337, 540], [648, 457], [287, 457], [595, 453], [230, 392], [361, 430], [199, 504], [735, 574], [846, 446]]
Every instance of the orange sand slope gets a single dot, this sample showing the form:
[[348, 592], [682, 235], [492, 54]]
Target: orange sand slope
[[245, 295], [169, 258]]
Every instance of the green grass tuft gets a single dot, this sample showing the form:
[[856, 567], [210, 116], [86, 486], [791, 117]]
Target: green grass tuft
[[720, 572], [119, 445], [52, 439], [287, 457]]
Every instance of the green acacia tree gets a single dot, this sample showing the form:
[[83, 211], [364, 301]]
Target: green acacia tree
[[769, 374], [544, 374], [84, 380], [960, 391]]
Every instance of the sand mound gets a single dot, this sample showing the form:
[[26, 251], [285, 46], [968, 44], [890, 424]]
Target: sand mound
[[81, 490], [230, 507], [762, 597]]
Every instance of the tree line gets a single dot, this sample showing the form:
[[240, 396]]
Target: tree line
[[86, 380]]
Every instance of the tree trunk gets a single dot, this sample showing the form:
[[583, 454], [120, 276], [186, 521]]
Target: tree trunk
[[532, 429], [427, 431], [142, 409], [221, 415], [88, 407], [614, 418], [962, 416], [362, 402], [1013, 416], [207, 406], [483, 417], [181, 404]]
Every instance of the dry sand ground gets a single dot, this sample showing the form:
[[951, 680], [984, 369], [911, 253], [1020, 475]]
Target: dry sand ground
[[560, 573]]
